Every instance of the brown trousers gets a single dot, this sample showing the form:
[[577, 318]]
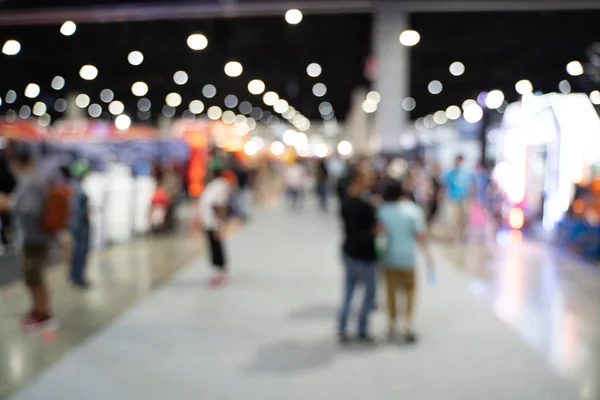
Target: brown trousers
[[400, 280]]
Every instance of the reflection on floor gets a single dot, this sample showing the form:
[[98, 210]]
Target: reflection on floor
[[121, 276], [269, 333]]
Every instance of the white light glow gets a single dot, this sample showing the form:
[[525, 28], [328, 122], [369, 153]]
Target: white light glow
[[277, 148], [314, 70], [473, 113], [524, 86], [321, 150], [409, 104], [440, 117], [173, 100], [251, 148], [68, 28], [289, 137], [11, 48], [574, 68], [116, 107], [60, 105], [39, 109], [196, 107], [25, 112], [135, 58], [58, 82], [231, 101], [95, 110], [564, 86], [32, 91], [139, 89], [270, 98], [144, 105], [319, 89], [180, 77], [409, 38], [256, 86], [457, 68], [214, 113], [245, 107], [453, 113], [293, 16], [88, 72], [233, 69], [197, 41], [107, 95], [325, 108], [369, 106], [281, 106], [11, 96], [595, 97], [228, 117], [374, 96], [494, 99], [82, 100], [44, 120], [209, 91], [435, 87], [344, 148], [123, 122]]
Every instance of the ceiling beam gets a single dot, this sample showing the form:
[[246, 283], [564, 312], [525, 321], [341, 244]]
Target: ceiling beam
[[252, 8]]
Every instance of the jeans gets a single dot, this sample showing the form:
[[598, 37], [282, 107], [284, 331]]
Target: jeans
[[81, 245], [358, 272]]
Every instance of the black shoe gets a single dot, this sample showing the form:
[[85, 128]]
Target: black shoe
[[82, 285], [410, 337], [366, 339], [343, 338]]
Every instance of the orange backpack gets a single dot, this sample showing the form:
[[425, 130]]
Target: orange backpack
[[58, 209]]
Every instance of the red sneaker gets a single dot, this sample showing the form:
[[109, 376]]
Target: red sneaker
[[34, 322], [218, 280]]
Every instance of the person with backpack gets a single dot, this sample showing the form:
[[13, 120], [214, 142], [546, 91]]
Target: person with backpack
[[79, 225], [29, 206]]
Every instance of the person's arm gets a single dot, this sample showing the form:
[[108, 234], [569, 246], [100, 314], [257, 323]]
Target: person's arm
[[421, 236]]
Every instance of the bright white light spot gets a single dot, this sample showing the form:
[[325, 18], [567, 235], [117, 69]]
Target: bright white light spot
[[468, 103], [374, 96], [325, 108], [453, 112], [524, 86], [11, 48], [435, 87], [293, 16], [314, 70], [270, 98], [39, 109], [231, 101], [233, 69], [429, 122], [123, 122], [321, 150], [473, 113], [440, 117], [319, 89], [139, 89], [144, 105], [240, 119], [24, 112], [595, 97], [82, 100], [11, 97], [494, 99], [196, 107], [180, 77], [574, 68], [44, 120], [409, 104], [281, 106], [214, 113], [173, 100], [369, 106], [95, 110], [32, 91], [116, 107], [135, 58], [60, 105], [409, 38], [68, 28], [245, 107], [564, 86], [289, 137], [251, 148], [209, 91], [197, 41], [344, 148], [256, 86], [251, 123], [228, 117], [58, 82], [277, 148], [88, 72], [107, 95], [457, 68]]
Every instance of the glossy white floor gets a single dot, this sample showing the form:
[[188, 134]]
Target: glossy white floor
[[269, 334]]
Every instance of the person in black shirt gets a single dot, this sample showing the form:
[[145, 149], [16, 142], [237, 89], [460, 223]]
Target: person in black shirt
[[435, 196], [7, 186], [360, 228]]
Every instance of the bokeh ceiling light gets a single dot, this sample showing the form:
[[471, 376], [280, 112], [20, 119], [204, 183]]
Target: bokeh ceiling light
[[82, 100], [228, 117], [524, 86], [214, 113], [45, 120], [281, 106], [256, 86], [595, 97], [60, 105], [144, 105], [270, 98], [107, 95], [233, 69], [58, 82], [11, 47], [277, 148], [467, 103], [409, 38], [68, 28], [409, 104], [325, 108], [32, 91], [435, 87], [574, 68], [319, 89], [293, 16], [440, 117], [197, 41], [116, 107], [231, 101], [88, 72], [173, 100], [25, 112], [457, 68], [473, 113], [453, 112], [95, 110], [374, 96], [369, 106], [245, 107], [564, 87], [314, 70], [139, 89], [39, 109], [135, 58], [344, 148], [494, 99], [209, 91], [180, 77], [123, 122], [11, 96], [196, 107]]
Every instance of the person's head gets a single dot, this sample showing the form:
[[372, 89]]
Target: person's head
[[393, 191], [458, 161], [22, 160], [65, 172], [359, 179]]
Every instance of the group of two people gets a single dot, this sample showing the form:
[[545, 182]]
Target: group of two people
[[400, 221]]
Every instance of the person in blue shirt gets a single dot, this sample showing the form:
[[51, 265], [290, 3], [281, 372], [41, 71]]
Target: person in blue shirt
[[405, 229], [459, 184]]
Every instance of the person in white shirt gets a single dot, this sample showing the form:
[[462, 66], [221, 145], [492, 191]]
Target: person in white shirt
[[295, 183], [213, 213]]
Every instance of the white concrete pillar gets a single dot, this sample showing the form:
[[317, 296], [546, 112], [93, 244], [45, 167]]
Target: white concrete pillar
[[392, 75], [164, 126], [73, 112], [357, 123]]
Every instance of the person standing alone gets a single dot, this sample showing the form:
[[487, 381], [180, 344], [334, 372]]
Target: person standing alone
[[79, 225], [458, 183], [358, 251]]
